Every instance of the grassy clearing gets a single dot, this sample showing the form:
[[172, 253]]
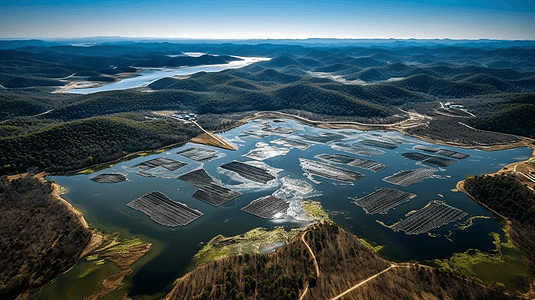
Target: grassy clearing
[[124, 245], [249, 242], [470, 222], [506, 267], [96, 168], [375, 247], [315, 210], [63, 190]]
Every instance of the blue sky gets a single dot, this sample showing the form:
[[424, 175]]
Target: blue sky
[[235, 19]]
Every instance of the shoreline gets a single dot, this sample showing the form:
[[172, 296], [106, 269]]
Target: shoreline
[[508, 224], [84, 84], [123, 259], [505, 169], [523, 141], [398, 126]]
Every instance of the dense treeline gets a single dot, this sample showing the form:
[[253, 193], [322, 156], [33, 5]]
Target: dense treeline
[[515, 115], [14, 106], [504, 194], [42, 66], [451, 130], [39, 237], [283, 274], [421, 282], [302, 96], [343, 262], [78, 144]]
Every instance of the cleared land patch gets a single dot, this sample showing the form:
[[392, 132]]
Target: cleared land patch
[[377, 143], [357, 149], [269, 207], [249, 172], [167, 163], [208, 191], [329, 171], [443, 152], [199, 154], [163, 210], [382, 200], [427, 159], [434, 215], [109, 178], [408, 177], [365, 164]]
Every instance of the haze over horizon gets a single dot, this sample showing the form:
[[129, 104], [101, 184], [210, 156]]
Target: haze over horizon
[[239, 19]]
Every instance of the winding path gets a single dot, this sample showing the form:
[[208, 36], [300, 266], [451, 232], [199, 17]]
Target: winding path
[[312, 253], [315, 264]]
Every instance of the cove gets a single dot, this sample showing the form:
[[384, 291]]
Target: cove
[[104, 205], [149, 75]]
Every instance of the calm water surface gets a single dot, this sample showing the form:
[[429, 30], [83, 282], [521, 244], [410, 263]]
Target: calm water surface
[[104, 205], [149, 75]]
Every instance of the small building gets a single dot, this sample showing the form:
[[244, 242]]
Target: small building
[[453, 105], [187, 117]]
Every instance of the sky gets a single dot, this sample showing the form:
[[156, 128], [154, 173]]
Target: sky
[[241, 19]]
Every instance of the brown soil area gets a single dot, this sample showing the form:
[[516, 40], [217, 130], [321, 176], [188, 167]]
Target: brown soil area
[[212, 140], [125, 260], [109, 284]]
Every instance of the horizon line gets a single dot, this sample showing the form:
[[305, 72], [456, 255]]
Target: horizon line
[[264, 39]]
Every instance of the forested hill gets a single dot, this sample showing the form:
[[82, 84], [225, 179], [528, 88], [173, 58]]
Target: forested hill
[[365, 83], [291, 272]]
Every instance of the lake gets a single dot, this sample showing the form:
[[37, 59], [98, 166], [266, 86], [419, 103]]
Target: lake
[[149, 75], [104, 205]]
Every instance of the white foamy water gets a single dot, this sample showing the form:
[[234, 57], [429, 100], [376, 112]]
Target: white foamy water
[[265, 151]]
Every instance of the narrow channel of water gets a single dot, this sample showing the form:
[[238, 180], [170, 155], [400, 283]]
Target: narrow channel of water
[[149, 75], [104, 205]]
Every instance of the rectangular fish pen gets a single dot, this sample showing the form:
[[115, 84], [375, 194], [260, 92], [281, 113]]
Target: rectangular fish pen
[[382, 200], [329, 171], [431, 160], [380, 144], [109, 178], [167, 163], [269, 207], [199, 154], [163, 210], [208, 191], [441, 151], [357, 149], [249, 172], [436, 214], [365, 164], [408, 177]]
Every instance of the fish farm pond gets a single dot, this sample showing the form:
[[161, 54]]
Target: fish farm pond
[[390, 189]]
